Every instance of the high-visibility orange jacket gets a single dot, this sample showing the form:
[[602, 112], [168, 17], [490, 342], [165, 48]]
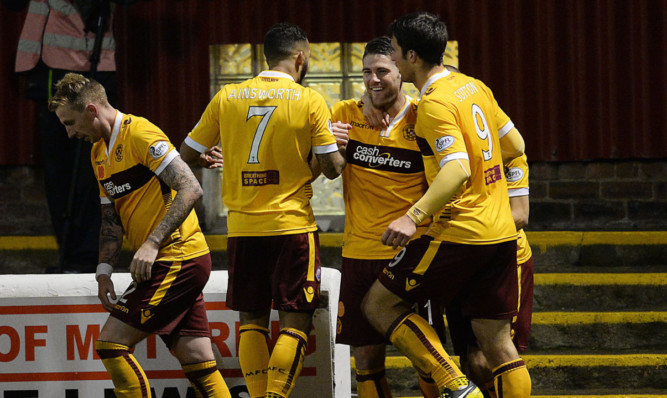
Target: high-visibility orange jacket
[[54, 31]]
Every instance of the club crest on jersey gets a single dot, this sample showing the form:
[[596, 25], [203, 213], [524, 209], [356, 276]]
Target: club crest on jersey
[[159, 149], [514, 174], [443, 143], [318, 274], [100, 172], [119, 153], [409, 132]]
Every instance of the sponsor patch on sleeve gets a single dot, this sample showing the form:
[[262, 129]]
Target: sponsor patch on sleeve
[[159, 149], [443, 143], [513, 174]]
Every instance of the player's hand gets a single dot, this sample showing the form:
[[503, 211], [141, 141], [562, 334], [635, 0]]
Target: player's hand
[[375, 117], [399, 232], [143, 260], [104, 291], [212, 158], [341, 131]]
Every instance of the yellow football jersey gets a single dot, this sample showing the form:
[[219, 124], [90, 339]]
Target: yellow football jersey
[[516, 173], [127, 171], [458, 118], [383, 177], [267, 127]]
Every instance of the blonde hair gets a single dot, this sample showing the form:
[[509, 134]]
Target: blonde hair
[[76, 91]]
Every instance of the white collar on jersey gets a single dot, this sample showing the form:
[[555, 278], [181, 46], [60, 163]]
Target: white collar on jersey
[[275, 73], [398, 118], [433, 79], [114, 133]]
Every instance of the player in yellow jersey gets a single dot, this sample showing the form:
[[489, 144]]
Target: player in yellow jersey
[[383, 176], [470, 248], [147, 193], [473, 362], [268, 128]]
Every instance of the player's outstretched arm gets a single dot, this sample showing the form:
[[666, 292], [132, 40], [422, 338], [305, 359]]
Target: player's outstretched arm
[[178, 176], [447, 182], [111, 242], [512, 145]]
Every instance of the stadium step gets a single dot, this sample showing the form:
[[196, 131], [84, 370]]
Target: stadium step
[[600, 310], [620, 291], [571, 374], [594, 334]]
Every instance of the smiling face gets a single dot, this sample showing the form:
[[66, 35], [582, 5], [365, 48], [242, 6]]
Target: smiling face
[[405, 67], [382, 80], [79, 124]]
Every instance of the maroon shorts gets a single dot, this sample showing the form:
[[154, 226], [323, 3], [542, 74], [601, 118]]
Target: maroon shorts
[[284, 269], [171, 302], [460, 328], [483, 276], [357, 277], [521, 323]]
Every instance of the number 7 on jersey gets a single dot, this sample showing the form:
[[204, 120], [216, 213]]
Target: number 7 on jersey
[[265, 112]]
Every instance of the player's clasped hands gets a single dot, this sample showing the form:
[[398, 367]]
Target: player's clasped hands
[[399, 232], [341, 133], [212, 158]]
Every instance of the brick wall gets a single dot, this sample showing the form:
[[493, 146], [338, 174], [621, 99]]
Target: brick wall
[[628, 195], [622, 195], [23, 208]]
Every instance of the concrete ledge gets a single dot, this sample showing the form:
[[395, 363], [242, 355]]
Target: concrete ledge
[[587, 318], [537, 239], [549, 361], [588, 279]]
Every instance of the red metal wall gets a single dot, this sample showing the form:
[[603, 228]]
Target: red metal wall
[[581, 79]]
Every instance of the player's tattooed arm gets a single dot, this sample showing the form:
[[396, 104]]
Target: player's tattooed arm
[[331, 164], [111, 242], [111, 235], [178, 176]]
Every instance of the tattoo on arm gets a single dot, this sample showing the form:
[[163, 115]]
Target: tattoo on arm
[[331, 164], [111, 235], [178, 176]]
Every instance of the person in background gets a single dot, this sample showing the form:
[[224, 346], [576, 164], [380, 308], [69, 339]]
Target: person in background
[[58, 37]]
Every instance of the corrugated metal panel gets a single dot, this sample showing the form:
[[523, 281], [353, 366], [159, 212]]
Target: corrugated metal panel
[[18, 124], [581, 79]]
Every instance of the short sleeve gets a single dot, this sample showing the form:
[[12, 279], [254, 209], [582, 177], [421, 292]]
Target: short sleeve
[[152, 148], [437, 125], [322, 138], [206, 132], [516, 174]]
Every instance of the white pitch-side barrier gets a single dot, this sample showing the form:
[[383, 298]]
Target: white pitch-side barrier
[[49, 324]]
